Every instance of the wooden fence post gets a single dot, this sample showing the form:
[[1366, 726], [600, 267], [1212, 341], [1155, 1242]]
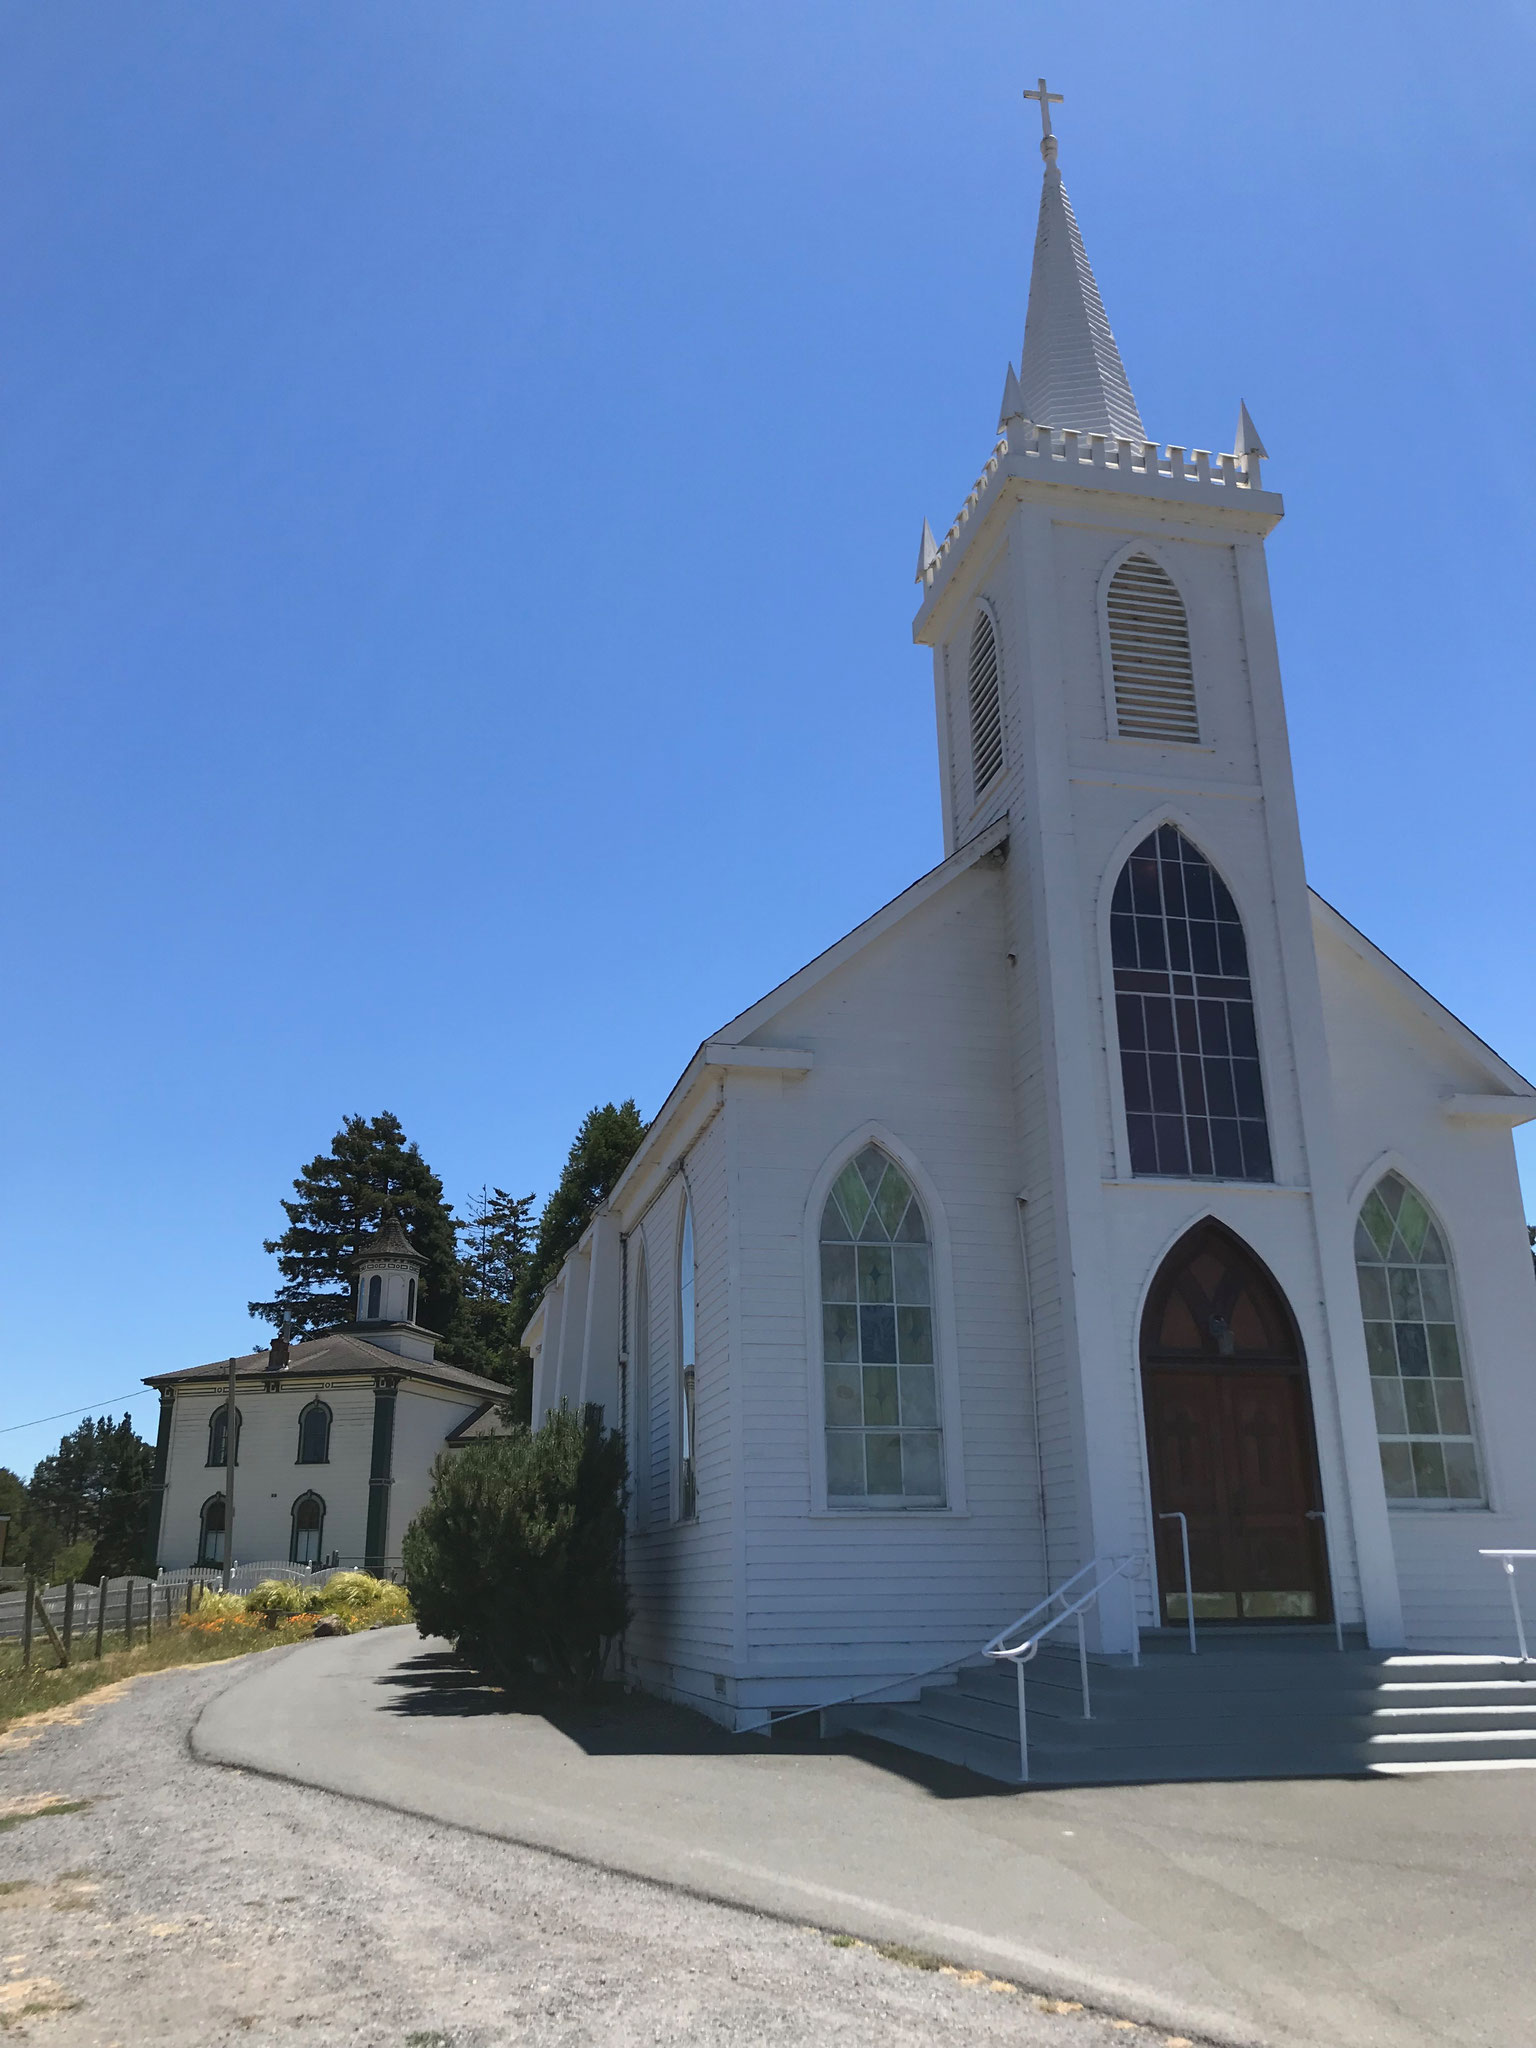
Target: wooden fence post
[[101, 1610], [26, 1622], [149, 1614], [69, 1616], [128, 1614], [53, 1635]]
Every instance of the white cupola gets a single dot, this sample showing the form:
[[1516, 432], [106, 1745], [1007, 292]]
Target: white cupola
[[388, 1269]]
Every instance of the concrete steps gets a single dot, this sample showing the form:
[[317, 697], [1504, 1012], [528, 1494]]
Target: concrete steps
[[1247, 1706]]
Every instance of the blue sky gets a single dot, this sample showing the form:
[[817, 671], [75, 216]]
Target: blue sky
[[460, 472]]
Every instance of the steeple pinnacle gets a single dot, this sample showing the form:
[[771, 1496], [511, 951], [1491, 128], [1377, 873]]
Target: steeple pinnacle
[[1070, 374]]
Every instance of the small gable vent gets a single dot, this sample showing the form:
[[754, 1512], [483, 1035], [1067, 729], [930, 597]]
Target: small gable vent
[[1149, 653], [986, 707]]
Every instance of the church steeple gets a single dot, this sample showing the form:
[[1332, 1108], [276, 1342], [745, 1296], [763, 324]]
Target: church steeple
[[1070, 374]]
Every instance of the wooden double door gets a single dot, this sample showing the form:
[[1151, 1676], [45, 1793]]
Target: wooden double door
[[1230, 1440]]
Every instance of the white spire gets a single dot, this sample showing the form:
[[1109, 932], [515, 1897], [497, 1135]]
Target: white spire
[[1071, 374], [927, 553], [1249, 450]]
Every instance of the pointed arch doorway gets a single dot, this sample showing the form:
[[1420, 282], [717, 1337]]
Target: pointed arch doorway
[[1230, 1441]]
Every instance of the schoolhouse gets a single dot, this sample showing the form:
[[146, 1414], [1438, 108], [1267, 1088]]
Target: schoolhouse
[[1107, 1176], [335, 1438]]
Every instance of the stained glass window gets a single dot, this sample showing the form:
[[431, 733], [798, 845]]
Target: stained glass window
[[1189, 1052], [884, 1442], [1411, 1340]]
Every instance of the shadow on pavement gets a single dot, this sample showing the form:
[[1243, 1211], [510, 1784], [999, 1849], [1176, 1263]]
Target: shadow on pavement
[[613, 1722]]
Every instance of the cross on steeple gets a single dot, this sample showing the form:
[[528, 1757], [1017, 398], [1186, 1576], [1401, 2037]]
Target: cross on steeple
[[1047, 133]]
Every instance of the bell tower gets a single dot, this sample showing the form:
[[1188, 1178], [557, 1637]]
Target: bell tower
[[1106, 679]]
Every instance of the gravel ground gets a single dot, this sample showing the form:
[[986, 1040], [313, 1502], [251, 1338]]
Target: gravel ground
[[183, 1904]]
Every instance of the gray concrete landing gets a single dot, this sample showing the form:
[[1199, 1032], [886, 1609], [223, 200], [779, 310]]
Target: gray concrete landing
[[1388, 1912]]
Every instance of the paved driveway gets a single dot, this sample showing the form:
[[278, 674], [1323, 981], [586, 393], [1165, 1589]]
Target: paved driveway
[[1340, 1914]]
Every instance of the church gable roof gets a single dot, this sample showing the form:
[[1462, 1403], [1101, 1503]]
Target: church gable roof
[[727, 1047], [1503, 1079]]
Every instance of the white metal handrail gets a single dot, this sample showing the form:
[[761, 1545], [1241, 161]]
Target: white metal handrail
[[1177, 1515], [1507, 1560], [1074, 1606]]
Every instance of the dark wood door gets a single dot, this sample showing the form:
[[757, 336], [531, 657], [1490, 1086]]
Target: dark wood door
[[1229, 1440]]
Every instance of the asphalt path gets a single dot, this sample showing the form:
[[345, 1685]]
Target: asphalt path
[[1380, 1913], [148, 1901]]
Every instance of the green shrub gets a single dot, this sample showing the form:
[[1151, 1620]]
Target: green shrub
[[275, 1599], [360, 1600], [517, 1556], [208, 1601]]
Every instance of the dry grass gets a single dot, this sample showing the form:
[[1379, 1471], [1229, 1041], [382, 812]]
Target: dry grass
[[46, 1688]]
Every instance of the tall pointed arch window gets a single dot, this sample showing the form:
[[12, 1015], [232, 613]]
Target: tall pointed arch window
[[687, 1496], [1149, 655], [640, 1354], [1423, 1420], [308, 1519], [884, 1444], [218, 1431], [986, 706], [1189, 1051]]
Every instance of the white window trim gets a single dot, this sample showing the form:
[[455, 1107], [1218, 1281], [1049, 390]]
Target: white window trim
[[1393, 1162], [1178, 748], [1258, 982], [951, 1420]]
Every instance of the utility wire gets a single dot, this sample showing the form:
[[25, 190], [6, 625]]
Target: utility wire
[[65, 1413]]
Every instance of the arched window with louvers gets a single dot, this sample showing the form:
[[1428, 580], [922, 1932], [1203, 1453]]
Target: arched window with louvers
[[1151, 668], [984, 695]]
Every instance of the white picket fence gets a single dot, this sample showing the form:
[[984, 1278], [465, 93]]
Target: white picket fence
[[245, 1576]]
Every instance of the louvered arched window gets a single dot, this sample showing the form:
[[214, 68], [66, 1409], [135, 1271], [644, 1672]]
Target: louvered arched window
[[1149, 655], [986, 707], [1189, 1051]]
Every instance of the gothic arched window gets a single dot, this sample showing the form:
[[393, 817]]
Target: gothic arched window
[[687, 1495], [210, 1533], [640, 1357], [1149, 655], [1189, 1052], [315, 1434], [410, 1301], [1422, 1418], [375, 1290], [218, 1428], [884, 1444], [308, 1528], [986, 706]]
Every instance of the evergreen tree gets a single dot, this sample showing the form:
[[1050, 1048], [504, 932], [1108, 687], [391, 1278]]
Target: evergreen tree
[[608, 1139], [96, 1488], [497, 1245], [343, 1195]]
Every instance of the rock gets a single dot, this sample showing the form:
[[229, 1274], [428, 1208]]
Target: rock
[[329, 1625]]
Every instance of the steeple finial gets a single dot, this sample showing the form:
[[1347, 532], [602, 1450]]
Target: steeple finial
[[1070, 374], [1047, 134]]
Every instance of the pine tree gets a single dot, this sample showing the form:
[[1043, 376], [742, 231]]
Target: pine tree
[[608, 1139], [95, 1488], [498, 1243], [343, 1195]]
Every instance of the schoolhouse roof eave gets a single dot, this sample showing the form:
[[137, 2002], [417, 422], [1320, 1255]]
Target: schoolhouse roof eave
[[338, 1354], [1427, 1007]]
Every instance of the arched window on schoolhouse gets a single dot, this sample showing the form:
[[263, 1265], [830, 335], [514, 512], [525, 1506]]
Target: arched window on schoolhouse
[[210, 1532], [308, 1528], [315, 1434], [218, 1429]]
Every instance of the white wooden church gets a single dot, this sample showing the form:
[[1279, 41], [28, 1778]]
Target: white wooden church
[[1107, 1175]]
